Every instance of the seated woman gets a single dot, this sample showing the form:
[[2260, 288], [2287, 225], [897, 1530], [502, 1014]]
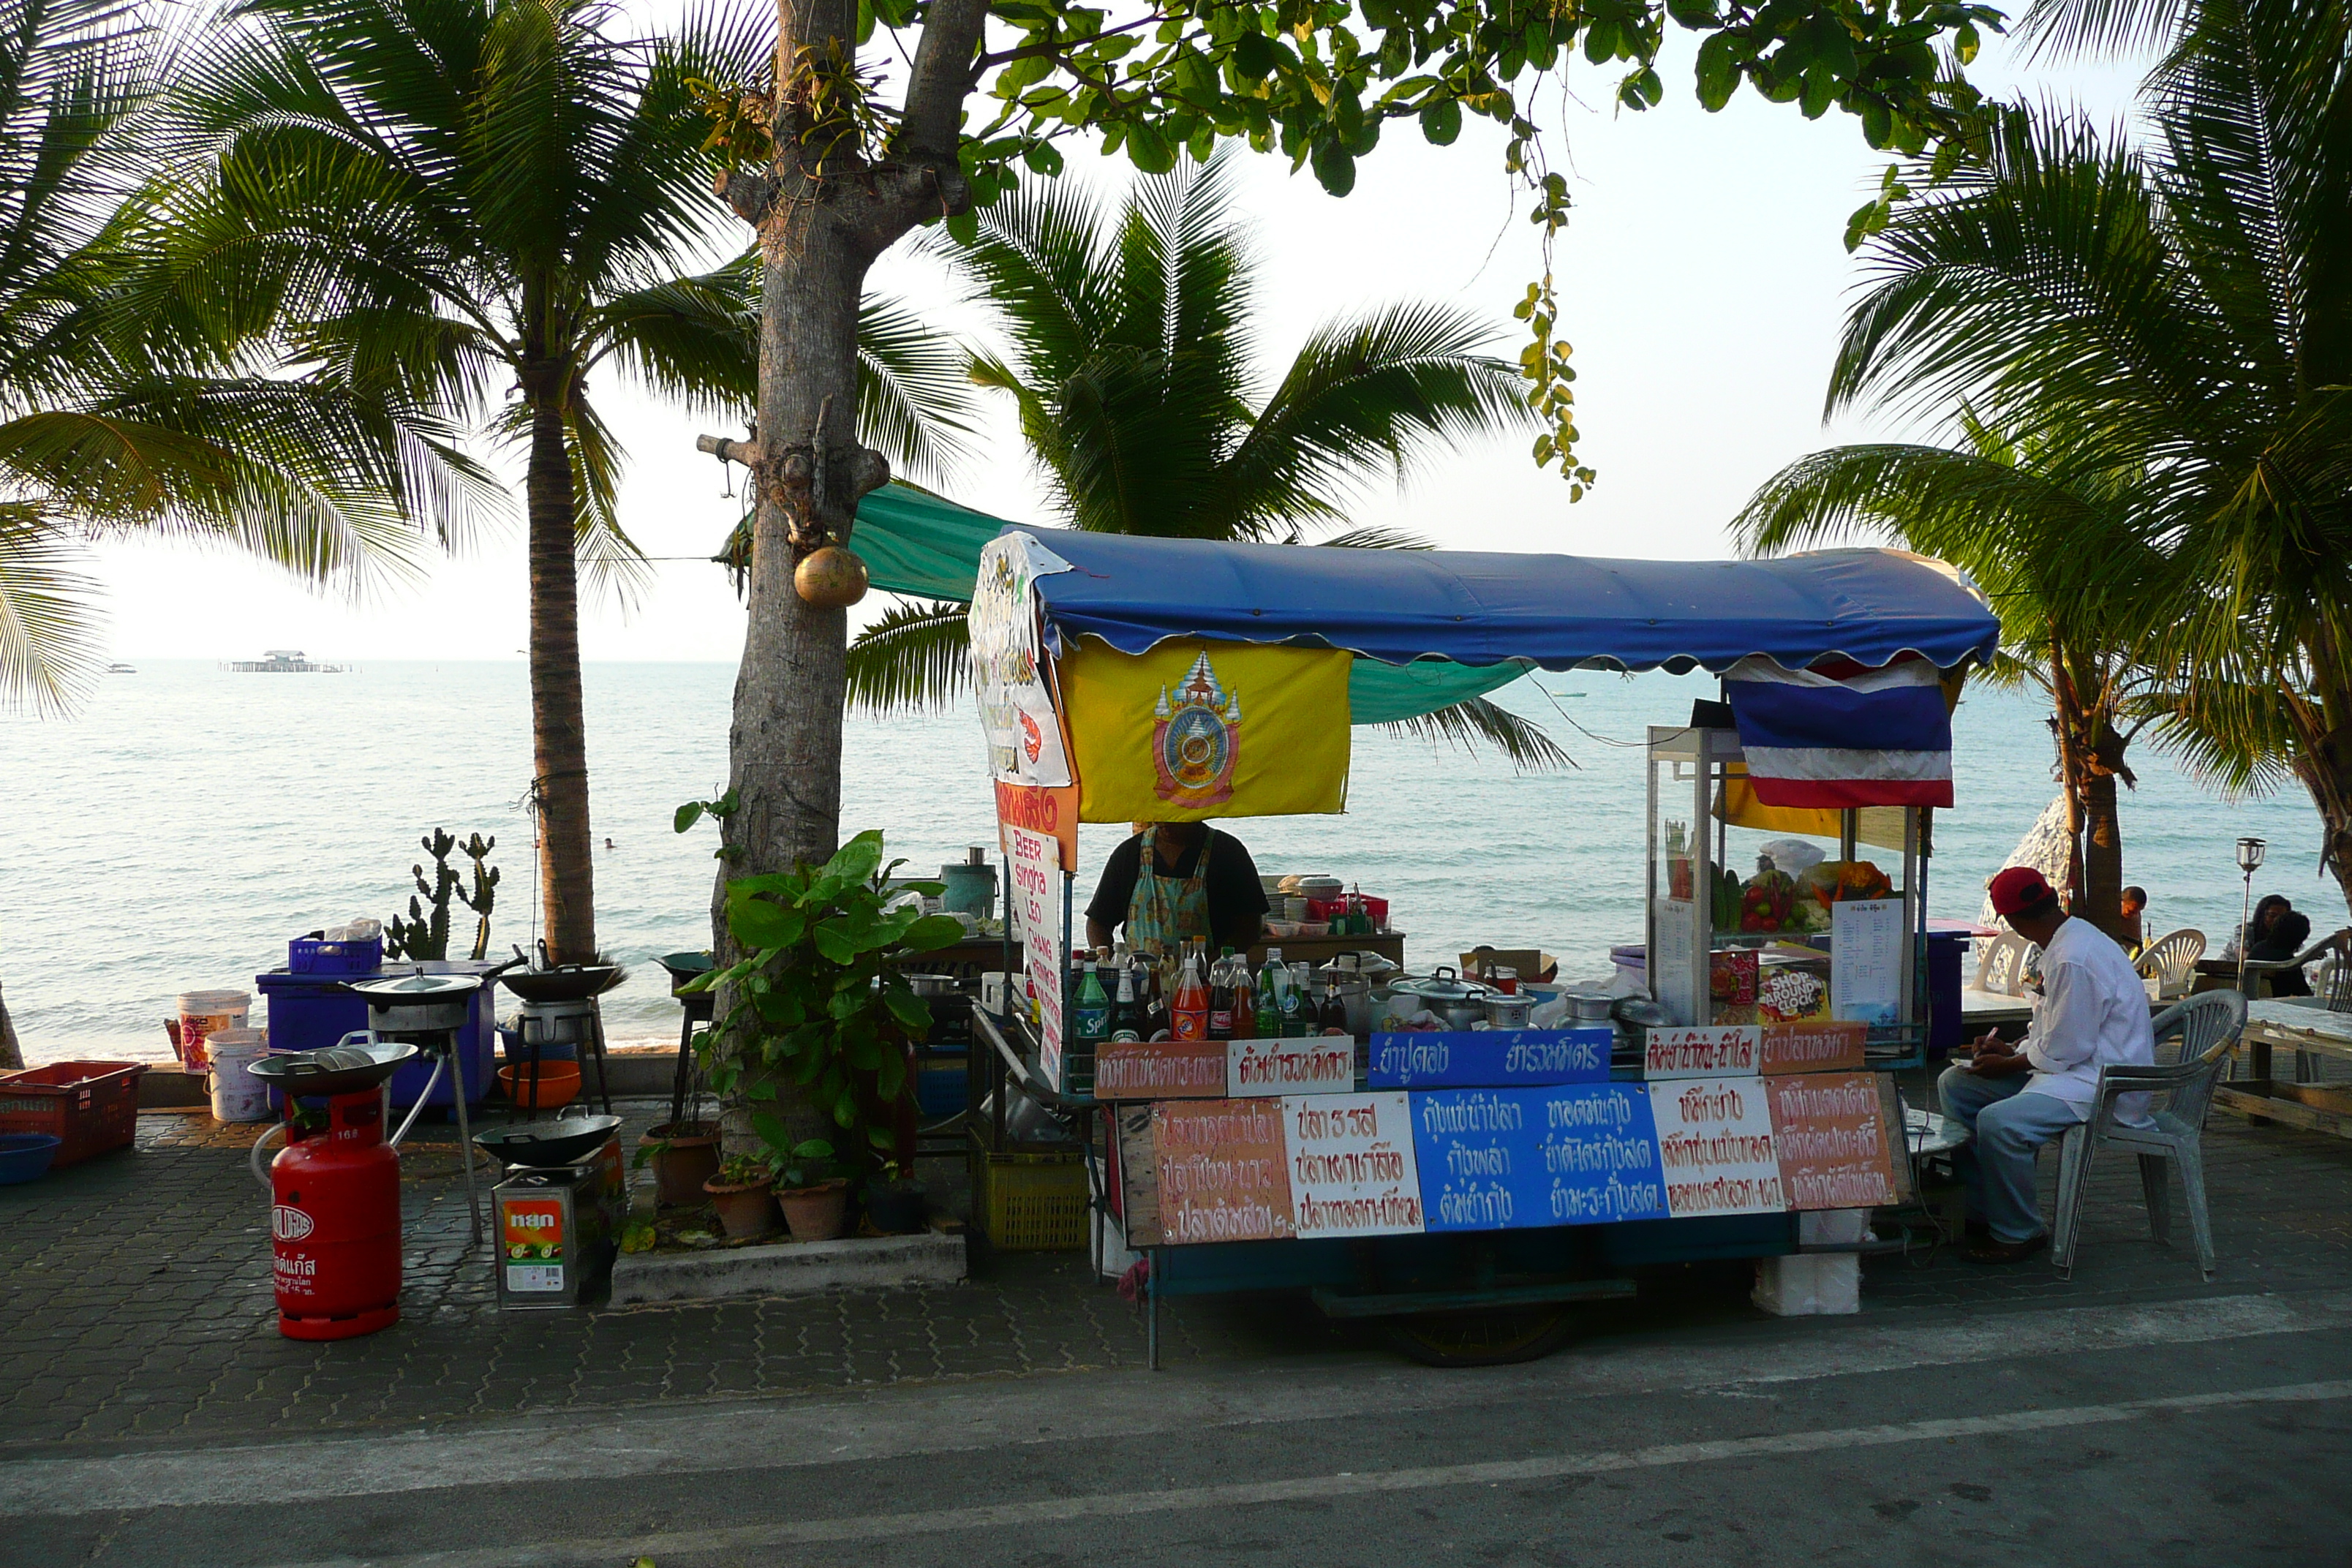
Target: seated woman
[[2281, 940]]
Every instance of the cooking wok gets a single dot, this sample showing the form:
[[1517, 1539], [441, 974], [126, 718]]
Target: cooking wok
[[564, 1142], [337, 1069], [570, 984]]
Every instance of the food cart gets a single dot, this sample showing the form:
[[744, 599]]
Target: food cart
[[1469, 1186]]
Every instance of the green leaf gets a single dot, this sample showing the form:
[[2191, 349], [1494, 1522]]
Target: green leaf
[[688, 815], [932, 932], [1148, 149], [755, 923], [1718, 70], [1335, 168]]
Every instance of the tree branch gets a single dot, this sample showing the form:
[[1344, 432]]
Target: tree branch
[[941, 81]]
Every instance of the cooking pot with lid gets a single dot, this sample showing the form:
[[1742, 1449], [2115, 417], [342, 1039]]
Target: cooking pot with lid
[[1444, 992], [1507, 1011]]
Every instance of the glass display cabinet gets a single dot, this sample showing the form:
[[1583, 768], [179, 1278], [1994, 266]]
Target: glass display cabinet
[[1760, 914]]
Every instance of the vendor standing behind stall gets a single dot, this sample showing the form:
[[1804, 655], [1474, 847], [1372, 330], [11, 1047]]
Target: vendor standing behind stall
[[1174, 881]]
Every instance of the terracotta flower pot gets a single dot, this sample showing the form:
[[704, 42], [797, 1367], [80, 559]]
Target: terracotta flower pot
[[744, 1211], [691, 1159], [815, 1214], [894, 1207]]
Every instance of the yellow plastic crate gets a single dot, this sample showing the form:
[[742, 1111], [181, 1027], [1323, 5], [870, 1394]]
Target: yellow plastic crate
[[1033, 1203]]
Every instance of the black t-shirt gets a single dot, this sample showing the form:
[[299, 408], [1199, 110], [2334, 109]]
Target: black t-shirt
[[1233, 891]]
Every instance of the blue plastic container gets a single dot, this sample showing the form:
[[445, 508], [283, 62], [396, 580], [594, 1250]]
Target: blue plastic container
[[309, 955], [311, 1012], [25, 1156]]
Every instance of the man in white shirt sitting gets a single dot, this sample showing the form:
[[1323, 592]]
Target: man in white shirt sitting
[[2091, 1011]]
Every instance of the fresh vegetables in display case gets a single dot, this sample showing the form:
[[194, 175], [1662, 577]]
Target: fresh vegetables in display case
[[1835, 881]]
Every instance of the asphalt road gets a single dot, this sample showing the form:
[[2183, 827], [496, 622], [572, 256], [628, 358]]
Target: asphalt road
[[2197, 1432]]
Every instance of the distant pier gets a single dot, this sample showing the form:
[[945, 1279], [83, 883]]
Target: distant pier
[[283, 661]]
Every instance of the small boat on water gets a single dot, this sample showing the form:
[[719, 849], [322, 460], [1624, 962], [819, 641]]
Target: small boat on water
[[122, 669]]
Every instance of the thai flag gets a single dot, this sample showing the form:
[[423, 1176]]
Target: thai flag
[[1843, 735]]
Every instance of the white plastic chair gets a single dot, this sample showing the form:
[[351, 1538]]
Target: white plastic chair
[[2193, 1041], [2000, 968], [2171, 961]]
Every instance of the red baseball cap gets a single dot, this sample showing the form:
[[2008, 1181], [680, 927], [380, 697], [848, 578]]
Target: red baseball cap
[[2019, 888]]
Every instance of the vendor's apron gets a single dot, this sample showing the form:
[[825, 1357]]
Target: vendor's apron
[[1164, 910]]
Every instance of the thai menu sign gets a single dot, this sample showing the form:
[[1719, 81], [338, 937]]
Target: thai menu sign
[[1829, 1132], [1352, 1170], [1035, 896], [1715, 1138], [1025, 734]]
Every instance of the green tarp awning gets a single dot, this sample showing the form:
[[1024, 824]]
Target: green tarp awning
[[914, 542]]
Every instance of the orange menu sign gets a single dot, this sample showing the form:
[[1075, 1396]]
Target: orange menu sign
[[1814, 1046], [1224, 1171], [1160, 1069], [1830, 1130]]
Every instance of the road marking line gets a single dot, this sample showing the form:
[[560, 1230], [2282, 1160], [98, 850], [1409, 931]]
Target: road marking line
[[1318, 1488], [928, 1418]]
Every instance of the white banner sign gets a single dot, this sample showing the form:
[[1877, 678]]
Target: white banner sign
[[1352, 1170], [1025, 738], [1715, 1144], [1036, 898]]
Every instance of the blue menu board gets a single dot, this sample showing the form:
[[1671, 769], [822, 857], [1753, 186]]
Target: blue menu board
[[1487, 1058], [1512, 1158]]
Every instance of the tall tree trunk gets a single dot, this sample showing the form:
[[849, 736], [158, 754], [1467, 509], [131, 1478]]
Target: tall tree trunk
[[2324, 762], [559, 733], [2066, 728], [2103, 853], [12, 1055], [819, 229]]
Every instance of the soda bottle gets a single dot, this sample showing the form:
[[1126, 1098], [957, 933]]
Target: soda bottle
[[1268, 999], [1090, 1018], [1220, 997], [1127, 1013], [1189, 1008], [1298, 1011], [1334, 1014]]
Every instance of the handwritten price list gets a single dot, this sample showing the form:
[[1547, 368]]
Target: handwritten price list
[[1505, 1159]]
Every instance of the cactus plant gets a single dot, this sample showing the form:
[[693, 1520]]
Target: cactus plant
[[427, 936]]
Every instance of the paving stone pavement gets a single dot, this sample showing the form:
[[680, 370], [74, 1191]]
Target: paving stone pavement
[[135, 1291]]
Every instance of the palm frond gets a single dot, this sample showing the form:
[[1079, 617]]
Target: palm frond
[[1481, 721], [1370, 538], [915, 403], [48, 655], [918, 654]]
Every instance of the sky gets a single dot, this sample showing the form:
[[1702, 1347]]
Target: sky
[[1703, 282]]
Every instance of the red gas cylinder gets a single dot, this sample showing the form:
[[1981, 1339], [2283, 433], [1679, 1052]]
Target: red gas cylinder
[[334, 1223]]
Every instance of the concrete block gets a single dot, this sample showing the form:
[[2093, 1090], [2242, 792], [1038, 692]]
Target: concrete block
[[788, 1268]]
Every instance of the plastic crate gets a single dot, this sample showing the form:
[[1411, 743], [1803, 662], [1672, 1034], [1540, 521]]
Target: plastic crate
[[89, 1107], [1032, 1202], [309, 955]]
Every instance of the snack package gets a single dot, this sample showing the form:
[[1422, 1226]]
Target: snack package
[[1732, 986]]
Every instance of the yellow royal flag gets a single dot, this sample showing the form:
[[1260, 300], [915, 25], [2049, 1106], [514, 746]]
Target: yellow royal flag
[[1195, 729]]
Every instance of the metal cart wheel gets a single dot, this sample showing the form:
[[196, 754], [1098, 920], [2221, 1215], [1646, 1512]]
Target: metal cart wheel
[[1484, 1336]]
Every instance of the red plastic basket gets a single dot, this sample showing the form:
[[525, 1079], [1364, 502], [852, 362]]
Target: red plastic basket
[[89, 1107]]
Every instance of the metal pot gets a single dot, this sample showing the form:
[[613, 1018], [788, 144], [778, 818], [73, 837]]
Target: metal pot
[[932, 984], [1444, 993], [1507, 1011], [1589, 1006]]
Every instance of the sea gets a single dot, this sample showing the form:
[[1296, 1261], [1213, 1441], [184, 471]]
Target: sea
[[175, 834]]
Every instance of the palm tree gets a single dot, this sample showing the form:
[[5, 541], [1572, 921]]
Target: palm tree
[[2056, 547], [106, 430], [462, 200], [2181, 309], [1131, 366]]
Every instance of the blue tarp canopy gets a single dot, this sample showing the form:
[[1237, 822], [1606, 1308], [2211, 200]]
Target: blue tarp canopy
[[1558, 612]]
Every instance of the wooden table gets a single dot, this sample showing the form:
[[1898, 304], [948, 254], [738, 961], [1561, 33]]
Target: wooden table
[[1321, 950], [2304, 1025]]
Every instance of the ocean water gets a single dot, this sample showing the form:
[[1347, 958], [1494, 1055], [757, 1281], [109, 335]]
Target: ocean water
[[176, 833]]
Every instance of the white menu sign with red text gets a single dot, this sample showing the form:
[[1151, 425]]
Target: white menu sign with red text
[[1036, 898]]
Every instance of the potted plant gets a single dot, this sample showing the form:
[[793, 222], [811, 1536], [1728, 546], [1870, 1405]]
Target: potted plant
[[894, 1200], [810, 1189], [684, 1155], [815, 1002], [741, 1189]]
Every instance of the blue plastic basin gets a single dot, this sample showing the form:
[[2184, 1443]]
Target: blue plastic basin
[[25, 1156]]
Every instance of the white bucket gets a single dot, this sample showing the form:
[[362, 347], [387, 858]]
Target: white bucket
[[203, 1015], [238, 1095]]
